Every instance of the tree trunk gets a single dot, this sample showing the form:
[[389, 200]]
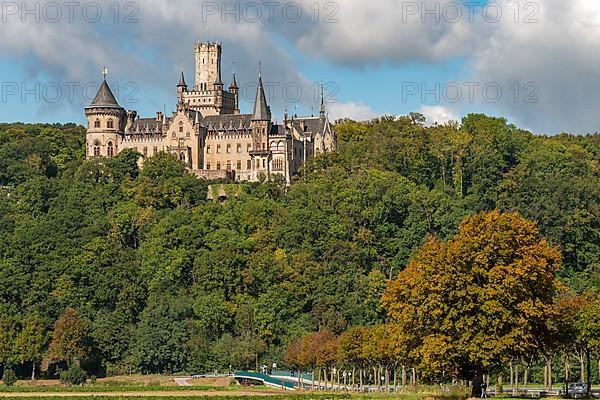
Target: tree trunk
[[318, 378], [525, 376], [516, 387], [512, 382], [353, 374], [33, 371], [589, 374], [499, 386], [361, 378], [545, 377], [395, 376], [403, 376], [581, 359], [549, 364], [566, 376], [477, 381]]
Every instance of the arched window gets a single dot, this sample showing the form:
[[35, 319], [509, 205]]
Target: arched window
[[110, 124], [180, 126], [97, 123], [182, 156], [110, 150], [96, 148]]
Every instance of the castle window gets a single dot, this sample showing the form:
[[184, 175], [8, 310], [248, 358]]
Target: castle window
[[180, 127], [228, 148], [173, 135], [208, 166], [187, 134], [218, 149], [218, 166], [110, 149], [97, 123], [110, 124], [264, 163], [249, 147], [154, 150], [145, 152], [182, 156], [239, 148], [248, 164], [228, 165], [96, 148], [208, 149], [239, 165]]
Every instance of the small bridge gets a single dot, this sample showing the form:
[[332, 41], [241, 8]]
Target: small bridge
[[250, 378]]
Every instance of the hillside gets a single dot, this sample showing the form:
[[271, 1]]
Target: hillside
[[165, 280]]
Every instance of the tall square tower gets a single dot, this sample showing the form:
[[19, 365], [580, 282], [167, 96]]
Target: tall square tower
[[208, 65]]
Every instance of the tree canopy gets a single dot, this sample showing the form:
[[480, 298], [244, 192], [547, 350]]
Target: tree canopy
[[100, 257]]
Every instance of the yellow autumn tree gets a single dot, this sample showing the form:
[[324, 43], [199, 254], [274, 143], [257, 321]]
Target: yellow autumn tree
[[485, 296]]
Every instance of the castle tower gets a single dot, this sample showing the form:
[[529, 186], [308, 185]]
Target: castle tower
[[261, 126], [208, 65], [106, 123], [235, 90], [181, 87]]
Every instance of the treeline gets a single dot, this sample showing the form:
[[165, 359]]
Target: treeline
[[484, 305], [159, 279]]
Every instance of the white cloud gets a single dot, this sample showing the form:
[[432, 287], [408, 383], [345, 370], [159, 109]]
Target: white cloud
[[557, 56], [438, 114], [352, 110], [369, 32]]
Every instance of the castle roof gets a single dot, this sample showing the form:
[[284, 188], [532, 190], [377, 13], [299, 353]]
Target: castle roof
[[182, 80], [146, 126], [261, 109], [234, 84], [235, 120], [105, 97]]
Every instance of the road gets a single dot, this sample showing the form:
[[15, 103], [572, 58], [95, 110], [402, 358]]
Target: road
[[183, 381]]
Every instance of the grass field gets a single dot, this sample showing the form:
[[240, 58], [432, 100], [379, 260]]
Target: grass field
[[236, 395]]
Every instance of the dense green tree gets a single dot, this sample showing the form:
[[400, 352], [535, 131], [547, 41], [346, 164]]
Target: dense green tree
[[160, 341], [32, 341], [238, 281]]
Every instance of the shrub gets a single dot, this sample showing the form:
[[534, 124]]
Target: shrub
[[73, 376], [9, 378]]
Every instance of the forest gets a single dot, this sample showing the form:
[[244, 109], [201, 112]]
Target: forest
[[130, 270]]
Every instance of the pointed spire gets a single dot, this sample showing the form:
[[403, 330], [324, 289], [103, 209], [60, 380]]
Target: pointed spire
[[182, 80], [105, 97], [197, 119], [322, 111], [261, 109], [234, 84]]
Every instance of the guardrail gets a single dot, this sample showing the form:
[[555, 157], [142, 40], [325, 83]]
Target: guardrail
[[249, 377]]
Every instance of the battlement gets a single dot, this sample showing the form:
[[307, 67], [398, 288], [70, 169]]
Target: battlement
[[207, 44]]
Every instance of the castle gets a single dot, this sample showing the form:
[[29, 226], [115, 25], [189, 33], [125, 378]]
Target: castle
[[207, 132]]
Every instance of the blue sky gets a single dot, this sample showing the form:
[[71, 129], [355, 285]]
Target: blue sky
[[374, 59]]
